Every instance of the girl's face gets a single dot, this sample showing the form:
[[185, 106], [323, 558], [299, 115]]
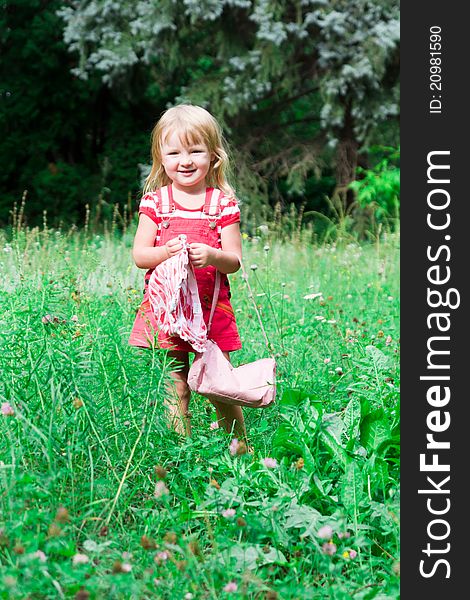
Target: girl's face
[[186, 166]]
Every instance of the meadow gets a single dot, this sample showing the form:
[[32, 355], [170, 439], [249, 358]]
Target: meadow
[[99, 499]]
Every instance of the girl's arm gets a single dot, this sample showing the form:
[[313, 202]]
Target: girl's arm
[[145, 255], [226, 260]]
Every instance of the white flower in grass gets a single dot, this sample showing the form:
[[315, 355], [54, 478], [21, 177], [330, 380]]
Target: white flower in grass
[[160, 489], [234, 444], [325, 532], [80, 559], [7, 409], [270, 463], [161, 556], [230, 587], [40, 555], [329, 548], [313, 296], [228, 513]]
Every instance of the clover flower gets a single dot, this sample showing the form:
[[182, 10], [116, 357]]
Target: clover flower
[[7, 409], [270, 463], [313, 296], [329, 548], [161, 556], [160, 489], [230, 587], [234, 444], [325, 532]]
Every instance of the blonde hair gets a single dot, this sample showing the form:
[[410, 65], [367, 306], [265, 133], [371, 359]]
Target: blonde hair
[[194, 125]]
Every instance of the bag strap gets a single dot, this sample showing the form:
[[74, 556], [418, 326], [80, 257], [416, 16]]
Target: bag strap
[[215, 297], [250, 295]]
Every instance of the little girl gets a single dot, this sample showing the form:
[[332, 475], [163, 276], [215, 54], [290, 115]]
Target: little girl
[[187, 193]]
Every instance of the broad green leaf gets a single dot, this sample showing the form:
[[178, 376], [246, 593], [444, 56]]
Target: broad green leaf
[[375, 430], [292, 397], [245, 558], [251, 557], [352, 488], [273, 556], [309, 459], [379, 360], [92, 546], [336, 449], [334, 424], [392, 442], [352, 418], [286, 437], [378, 473], [300, 516]]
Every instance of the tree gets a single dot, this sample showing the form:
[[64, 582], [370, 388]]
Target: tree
[[292, 74]]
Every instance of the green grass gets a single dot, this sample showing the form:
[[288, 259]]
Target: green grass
[[89, 428]]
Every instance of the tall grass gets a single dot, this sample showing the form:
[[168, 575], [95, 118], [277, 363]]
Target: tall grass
[[85, 513]]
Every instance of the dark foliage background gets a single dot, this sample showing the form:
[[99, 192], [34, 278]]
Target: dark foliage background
[[303, 92]]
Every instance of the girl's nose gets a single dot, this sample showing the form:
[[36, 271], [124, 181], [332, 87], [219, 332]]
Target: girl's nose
[[186, 159]]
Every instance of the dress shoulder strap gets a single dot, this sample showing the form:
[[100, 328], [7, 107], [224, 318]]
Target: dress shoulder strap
[[163, 201], [212, 206]]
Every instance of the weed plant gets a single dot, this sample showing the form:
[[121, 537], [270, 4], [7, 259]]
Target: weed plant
[[100, 499]]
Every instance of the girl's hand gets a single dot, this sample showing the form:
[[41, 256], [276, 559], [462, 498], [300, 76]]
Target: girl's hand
[[173, 247], [201, 255]]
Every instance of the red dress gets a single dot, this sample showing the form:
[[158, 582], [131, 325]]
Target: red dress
[[203, 225]]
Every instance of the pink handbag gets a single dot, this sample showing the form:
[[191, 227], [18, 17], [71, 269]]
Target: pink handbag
[[214, 377]]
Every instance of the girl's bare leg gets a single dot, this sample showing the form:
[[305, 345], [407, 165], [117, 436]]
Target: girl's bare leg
[[231, 416], [179, 394]]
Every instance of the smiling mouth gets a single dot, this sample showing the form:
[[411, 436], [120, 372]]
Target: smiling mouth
[[186, 172]]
